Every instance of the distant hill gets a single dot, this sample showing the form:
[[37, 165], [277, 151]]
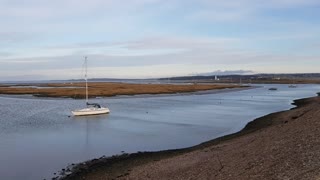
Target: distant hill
[[247, 77]]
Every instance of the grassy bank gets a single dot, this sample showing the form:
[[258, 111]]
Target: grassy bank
[[77, 90]]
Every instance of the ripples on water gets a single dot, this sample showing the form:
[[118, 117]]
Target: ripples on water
[[39, 136]]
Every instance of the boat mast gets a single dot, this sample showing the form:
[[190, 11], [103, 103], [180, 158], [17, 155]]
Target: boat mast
[[86, 77]]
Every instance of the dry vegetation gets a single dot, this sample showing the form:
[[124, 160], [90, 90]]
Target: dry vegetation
[[76, 90]]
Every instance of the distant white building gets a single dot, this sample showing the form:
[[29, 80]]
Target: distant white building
[[216, 78]]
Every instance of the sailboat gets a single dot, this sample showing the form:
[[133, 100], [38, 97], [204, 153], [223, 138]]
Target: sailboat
[[92, 108], [292, 85]]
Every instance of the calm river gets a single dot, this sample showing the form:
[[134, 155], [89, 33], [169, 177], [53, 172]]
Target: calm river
[[38, 136]]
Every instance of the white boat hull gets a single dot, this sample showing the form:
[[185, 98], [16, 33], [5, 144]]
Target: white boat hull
[[90, 111], [92, 108]]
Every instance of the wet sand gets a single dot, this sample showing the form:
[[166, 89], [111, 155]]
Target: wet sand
[[102, 89], [283, 145]]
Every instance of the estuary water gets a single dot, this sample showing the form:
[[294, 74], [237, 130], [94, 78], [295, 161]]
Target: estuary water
[[38, 136]]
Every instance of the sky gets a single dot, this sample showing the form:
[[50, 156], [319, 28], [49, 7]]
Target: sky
[[45, 39]]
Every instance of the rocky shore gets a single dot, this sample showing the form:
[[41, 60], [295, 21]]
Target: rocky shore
[[283, 145]]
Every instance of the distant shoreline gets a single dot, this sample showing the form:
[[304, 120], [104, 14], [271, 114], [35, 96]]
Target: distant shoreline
[[76, 90], [122, 166]]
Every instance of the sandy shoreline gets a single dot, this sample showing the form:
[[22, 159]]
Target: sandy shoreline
[[270, 147]]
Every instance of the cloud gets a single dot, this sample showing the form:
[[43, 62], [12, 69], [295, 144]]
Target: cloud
[[198, 35], [152, 43], [146, 52], [150, 51], [152, 66], [226, 72], [145, 71]]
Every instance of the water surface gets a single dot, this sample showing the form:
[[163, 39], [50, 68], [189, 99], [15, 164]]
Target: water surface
[[39, 137]]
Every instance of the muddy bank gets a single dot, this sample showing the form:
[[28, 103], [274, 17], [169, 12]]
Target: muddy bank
[[281, 145]]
